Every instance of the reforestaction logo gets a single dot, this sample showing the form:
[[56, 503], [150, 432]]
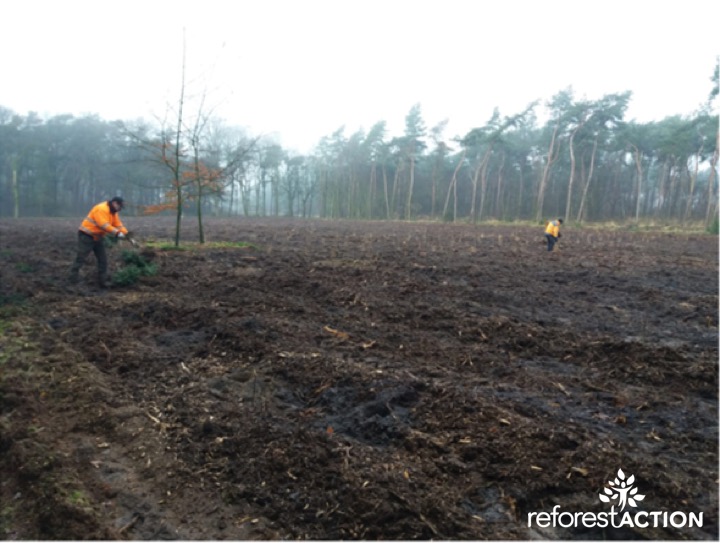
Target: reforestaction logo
[[623, 491]]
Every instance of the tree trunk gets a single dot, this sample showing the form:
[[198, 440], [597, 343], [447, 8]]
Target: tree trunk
[[583, 199], [385, 187], [662, 189], [693, 181], [408, 205], [231, 203], [568, 202], [483, 183], [673, 190], [499, 208], [201, 229], [275, 192], [520, 196], [710, 211], [178, 152], [433, 190], [480, 174], [552, 155], [353, 201], [638, 155], [455, 202], [262, 202], [473, 196], [15, 189], [453, 187], [373, 182], [393, 197]]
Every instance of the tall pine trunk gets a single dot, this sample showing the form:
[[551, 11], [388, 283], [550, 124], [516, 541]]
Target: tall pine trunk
[[583, 199], [552, 155]]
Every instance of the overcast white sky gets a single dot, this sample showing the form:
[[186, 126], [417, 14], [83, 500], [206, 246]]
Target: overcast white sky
[[303, 68]]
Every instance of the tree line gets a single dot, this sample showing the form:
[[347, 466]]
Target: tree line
[[583, 162]]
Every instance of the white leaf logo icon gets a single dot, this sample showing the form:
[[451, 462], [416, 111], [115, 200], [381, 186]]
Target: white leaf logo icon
[[622, 489]]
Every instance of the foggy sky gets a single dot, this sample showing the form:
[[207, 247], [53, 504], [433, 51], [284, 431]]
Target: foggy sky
[[302, 69]]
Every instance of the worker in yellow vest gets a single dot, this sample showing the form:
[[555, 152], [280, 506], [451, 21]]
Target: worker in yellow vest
[[552, 233], [102, 220]]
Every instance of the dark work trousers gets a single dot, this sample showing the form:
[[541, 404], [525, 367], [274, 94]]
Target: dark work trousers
[[551, 240], [86, 244]]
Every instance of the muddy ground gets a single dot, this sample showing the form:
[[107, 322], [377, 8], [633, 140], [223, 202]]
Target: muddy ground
[[356, 381]]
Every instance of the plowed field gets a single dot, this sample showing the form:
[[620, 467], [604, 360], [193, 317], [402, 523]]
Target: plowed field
[[356, 380]]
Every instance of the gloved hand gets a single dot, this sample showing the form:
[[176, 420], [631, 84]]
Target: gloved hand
[[120, 235]]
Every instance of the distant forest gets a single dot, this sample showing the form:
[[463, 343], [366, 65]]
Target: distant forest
[[585, 163]]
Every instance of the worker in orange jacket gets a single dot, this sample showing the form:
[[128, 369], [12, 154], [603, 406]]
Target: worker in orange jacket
[[552, 233], [102, 220]]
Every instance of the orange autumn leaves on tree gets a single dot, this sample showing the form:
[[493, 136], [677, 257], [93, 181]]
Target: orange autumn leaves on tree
[[158, 208], [200, 177], [204, 177]]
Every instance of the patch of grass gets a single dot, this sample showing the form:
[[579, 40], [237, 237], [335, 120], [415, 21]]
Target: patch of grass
[[22, 267], [11, 305], [229, 245], [7, 515], [166, 246], [649, 225], [644, 226], [714, 227], [14, 298], [78, 497], [11, 347], [194, 245]]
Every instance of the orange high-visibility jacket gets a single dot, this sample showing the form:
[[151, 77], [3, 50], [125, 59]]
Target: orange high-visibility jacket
[[101, 221], [553, 228]]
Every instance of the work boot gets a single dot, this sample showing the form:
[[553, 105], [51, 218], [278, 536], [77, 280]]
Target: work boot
[[103, 282]]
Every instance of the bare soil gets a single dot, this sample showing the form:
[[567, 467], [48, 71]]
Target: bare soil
[[356, 380]]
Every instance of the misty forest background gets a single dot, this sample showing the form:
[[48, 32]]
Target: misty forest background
[[584, 162]]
